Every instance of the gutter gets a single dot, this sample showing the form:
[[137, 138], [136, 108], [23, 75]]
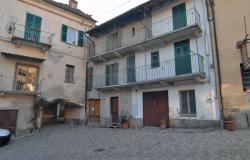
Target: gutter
[[216, 58]]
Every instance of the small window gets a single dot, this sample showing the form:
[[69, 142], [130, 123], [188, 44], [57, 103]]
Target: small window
[[155, 59], [69, 74], [133, 31], [188, 103], [26, 78], [72, 36]]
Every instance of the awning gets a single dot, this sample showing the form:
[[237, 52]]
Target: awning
[[67, 102], [23, 57]]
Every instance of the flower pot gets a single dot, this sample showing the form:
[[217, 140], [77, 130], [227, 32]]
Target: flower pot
[[125, 125], [230, 125], [163, 126]]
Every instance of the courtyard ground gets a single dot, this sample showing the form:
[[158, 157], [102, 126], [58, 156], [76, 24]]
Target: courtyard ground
[[63, 142]]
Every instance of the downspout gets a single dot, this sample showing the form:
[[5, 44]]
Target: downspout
[[210, 3]]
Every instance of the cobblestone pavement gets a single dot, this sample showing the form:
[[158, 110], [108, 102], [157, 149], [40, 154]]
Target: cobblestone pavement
[[78, 143]]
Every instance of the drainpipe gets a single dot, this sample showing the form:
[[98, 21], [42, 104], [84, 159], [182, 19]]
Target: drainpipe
[[216, 58]]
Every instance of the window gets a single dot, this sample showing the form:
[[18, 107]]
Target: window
[[155, 59], [133, 31], [26, 78], [111, 74], [72, 36], [32, 27], [90, 79], [188, 103], [69, 74]]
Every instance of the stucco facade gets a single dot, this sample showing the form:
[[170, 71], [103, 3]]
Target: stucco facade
[[231, 28], [50, 62], [131, 95]]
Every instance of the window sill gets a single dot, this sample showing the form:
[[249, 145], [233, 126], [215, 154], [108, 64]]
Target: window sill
[[188, 116]]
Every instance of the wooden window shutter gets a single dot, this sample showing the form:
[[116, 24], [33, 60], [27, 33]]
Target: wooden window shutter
[[80, 38], [64, 33]]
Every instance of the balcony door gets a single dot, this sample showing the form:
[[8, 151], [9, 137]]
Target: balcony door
[[131, 69], [111, 74], [32, 27], [113, 41], [179, 16], [182, 57]]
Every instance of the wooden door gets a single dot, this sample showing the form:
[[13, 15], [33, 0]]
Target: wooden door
[[155, 108], [179, 16], [182, 57], [114, 108], [131, 69], [8, 119], [94, 109]]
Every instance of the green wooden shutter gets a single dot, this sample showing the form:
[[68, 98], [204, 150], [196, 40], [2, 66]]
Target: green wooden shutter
[[182, 58], [179, 16], [64, 33], [80, 38], [107, 75], [32, 27], [155, 59], [115, 74]]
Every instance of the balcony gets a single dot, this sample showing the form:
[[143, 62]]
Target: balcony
[[185, 69], [153, 35], [33, 37]]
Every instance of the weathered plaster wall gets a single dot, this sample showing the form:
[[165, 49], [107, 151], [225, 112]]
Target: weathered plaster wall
[[24, 106], [229, 15]]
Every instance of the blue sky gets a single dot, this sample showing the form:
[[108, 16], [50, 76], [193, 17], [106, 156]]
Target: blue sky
[[103, 10]]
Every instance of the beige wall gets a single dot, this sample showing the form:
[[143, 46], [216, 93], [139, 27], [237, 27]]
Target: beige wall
[[229, 15]]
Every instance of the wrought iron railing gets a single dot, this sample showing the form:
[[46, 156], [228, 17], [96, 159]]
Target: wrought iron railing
[[30, 34], [190, 64], [144, 33]]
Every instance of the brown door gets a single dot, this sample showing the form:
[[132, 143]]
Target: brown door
[[155, 108], [114, 109], [8, 119], [94, 109]]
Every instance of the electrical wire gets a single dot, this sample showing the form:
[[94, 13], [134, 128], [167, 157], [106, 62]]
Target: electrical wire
[[105, 13]]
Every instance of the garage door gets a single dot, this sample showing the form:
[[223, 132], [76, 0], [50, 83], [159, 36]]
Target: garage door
[[8, 119], [155, 108]]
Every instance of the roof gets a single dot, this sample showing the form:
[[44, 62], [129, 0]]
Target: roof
[[70, 9], [134, 13]]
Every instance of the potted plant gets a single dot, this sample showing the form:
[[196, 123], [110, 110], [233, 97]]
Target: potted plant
[[163, 123], [125, 121], [229, 122]]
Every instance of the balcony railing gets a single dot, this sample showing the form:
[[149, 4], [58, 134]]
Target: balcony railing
[[30, 34], [148, 32], [186, 65]]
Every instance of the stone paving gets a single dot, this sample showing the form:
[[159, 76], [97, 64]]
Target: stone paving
[[64, 142]]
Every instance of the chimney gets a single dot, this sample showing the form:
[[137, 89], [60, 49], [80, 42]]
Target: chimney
[[73, 3]]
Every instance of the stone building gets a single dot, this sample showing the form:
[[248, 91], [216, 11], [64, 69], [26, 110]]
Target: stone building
[[154, 64], [42, 51]]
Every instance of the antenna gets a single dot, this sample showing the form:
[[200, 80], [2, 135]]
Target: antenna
[[245, 24]]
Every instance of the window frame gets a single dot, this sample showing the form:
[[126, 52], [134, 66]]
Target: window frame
[[153, 64], [189, 114], [68, 79], [36, 77], [77, 36]]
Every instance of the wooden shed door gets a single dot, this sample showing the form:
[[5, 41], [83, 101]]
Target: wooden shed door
[[8, 119], [155, 108], [114, 109]]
